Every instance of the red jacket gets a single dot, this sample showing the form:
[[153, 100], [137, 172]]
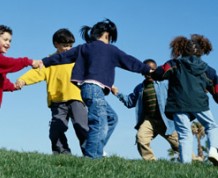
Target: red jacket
[[9, 65]]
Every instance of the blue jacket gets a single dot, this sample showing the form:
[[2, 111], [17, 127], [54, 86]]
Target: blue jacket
[[135, 99], [97, 61]]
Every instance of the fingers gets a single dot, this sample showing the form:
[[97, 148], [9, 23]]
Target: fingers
[[151, 70], [37, 64], [19, 84], [114, 90]]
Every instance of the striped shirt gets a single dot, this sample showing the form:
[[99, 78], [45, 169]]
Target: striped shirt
[[150, 100]]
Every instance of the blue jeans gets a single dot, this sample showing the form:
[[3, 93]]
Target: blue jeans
[[183, 127], [101, 119]]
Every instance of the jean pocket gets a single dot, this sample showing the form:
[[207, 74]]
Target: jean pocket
[[91, 91]]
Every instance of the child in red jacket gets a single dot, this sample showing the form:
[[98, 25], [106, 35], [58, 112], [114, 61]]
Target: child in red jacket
[[9, 64]]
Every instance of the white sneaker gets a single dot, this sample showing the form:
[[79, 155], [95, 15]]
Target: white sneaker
[[213, 156], [104, 154]]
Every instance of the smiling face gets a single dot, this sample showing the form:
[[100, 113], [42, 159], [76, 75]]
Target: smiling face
[[5, 42]]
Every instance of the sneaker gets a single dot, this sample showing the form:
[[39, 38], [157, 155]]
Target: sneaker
[[105, 154], [66, 151], [213, 156], [55, 152]]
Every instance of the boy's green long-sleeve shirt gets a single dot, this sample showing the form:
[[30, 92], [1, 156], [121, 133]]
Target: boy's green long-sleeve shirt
[[59, 86]]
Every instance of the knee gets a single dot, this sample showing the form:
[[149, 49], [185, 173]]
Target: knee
[[58, 126], [115, 119], [140, 138]]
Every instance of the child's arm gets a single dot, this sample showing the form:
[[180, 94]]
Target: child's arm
[[128, 100], [9, 65], [66, 57], [31, 77], [211, 74], [164, 71], [8, 85], [130, 63]]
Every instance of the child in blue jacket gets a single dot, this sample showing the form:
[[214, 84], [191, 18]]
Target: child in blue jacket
[[189, 80], [149, 99]]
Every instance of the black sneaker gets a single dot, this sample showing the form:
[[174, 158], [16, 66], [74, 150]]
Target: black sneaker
[[66, 151]]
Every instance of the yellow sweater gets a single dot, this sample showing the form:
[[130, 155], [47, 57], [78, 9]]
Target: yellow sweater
[[59, 87]]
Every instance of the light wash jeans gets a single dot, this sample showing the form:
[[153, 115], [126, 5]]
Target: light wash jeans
[[101, 119], [183, 128]]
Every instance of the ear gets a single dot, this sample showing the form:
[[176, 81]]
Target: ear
[[55, 44]]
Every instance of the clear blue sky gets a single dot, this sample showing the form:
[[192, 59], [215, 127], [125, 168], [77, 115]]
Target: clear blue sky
[[145, 29]]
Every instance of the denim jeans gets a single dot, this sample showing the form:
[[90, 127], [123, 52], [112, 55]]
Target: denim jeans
[[101, 119], [183, 128]]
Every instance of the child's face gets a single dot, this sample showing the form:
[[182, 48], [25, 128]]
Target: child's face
[[62, 47], [104, 37], [5, 42], [153, 66]]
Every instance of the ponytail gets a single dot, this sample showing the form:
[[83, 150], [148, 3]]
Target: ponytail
[[84, 32]]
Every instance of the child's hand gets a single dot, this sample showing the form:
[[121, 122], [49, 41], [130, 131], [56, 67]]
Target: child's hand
[[37, 64], [19, 84], [151, 70], [114, 90]]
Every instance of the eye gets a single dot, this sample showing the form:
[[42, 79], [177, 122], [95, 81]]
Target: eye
[[67, 45]]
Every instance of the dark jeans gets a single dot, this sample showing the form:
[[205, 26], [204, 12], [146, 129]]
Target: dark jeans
[[61, 112]]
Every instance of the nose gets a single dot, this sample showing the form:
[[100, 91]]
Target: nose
[[8, 43], [67, 48]]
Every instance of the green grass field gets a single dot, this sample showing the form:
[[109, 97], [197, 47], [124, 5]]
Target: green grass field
[[34, 165]]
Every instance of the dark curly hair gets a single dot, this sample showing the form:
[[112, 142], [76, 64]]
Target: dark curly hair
[[197, 45], [4, 29], [90, 34]]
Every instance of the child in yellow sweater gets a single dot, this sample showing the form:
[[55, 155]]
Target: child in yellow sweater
[[64, 98]]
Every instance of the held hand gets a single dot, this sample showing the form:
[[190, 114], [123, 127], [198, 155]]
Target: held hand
[[151, 70], [19, 84], [114, 90], [37, 64]]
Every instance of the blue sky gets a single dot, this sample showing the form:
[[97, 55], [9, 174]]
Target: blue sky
[[145, 29]]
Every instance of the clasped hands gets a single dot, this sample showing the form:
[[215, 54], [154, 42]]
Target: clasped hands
[[35, 65]]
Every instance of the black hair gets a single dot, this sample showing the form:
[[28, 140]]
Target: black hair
[[63, 35], [4, 29], [90, 34], [146, 61]]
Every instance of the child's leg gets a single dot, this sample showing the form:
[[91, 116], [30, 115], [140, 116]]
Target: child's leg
[[78, 113], [211, 129], [183, 128], [173, 141], [172, 138], [112, 120], [94, 99], [143, 138], [62, 144], [58, 126]]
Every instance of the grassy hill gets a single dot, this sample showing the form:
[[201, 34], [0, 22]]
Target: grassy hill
[[34, 165]]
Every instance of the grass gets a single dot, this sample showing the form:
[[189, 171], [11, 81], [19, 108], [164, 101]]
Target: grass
[[34, 165]]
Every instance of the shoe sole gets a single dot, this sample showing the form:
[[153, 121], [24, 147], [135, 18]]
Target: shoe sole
[[214, 161]]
